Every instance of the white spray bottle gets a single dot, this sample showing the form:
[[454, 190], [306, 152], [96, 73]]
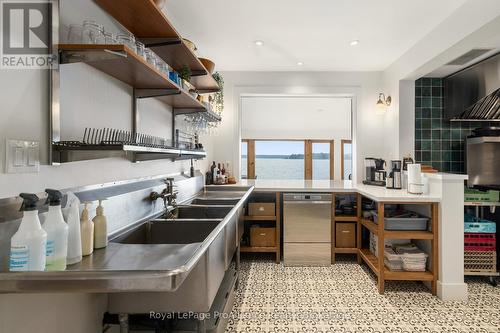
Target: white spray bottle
[[27, 246], [57, 233]]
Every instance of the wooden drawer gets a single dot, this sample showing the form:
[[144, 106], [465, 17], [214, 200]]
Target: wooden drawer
[[262, 237], [261, 209], [345, 235]]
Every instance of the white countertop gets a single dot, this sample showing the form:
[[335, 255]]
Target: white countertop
[[376, 193]]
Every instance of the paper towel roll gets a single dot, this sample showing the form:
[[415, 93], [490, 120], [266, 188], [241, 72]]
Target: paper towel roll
[[415, 179]]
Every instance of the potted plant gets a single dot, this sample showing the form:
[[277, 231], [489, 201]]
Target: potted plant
[[185, 75], [218, 97]]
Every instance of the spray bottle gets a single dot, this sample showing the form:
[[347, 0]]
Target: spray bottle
[[57, 233], [27, 246]]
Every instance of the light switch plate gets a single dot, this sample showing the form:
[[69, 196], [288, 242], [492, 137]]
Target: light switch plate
[[22, 156]]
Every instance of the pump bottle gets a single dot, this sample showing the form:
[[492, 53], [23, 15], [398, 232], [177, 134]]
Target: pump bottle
[[57, 233], [27, 246], [100, 228], [87, 232]]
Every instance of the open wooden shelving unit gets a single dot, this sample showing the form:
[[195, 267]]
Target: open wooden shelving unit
[[277, 223], [123, 64], [150, 25], [343, 219], [376, 264]]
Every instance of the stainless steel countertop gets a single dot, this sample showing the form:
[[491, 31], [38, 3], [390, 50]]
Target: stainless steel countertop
[[124, 267]]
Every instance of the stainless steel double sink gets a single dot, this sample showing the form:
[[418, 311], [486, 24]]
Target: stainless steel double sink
[[212, 220]]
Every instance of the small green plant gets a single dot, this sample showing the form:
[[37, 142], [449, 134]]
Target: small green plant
[[219, 96], [185, 73]]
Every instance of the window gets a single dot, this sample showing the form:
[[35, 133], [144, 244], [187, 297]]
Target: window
[[322, 166], [287, 159], [244, 159], [279, 159], [346, 159]]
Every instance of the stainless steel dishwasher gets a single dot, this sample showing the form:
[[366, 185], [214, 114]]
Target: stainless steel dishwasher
[[307, 223]]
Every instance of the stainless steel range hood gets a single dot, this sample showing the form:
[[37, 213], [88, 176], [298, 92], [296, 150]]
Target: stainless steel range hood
[[473, 94]]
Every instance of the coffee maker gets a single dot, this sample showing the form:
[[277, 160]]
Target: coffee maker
[[374, 171], [394, 180]]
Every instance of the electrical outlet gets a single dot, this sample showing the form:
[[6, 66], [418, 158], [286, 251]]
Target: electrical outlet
[[22, 156]]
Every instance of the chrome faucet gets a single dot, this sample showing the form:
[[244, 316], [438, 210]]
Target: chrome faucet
[[168, 195]]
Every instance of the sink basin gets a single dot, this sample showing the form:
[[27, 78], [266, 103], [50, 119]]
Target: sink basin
[[169, 232], [203, 212], [215, 201]]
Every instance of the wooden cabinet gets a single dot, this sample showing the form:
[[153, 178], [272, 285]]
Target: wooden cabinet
[[263, 224]]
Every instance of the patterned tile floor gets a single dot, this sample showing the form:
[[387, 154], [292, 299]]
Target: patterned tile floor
[[343, 298]]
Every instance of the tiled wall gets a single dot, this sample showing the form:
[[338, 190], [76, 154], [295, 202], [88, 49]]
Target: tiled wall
[[438, 142]]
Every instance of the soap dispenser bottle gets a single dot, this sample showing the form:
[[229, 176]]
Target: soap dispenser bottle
[[100, 228], [57, 233], [87, 232], [27, 246]]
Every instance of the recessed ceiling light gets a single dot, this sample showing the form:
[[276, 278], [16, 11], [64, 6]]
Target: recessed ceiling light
[[300, 63], [259, 43], [354, 42]]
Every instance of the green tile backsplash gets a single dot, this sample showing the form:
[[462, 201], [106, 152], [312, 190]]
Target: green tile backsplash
[[438, 142]]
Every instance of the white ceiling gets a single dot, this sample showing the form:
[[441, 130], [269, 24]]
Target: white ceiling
[[315, 32]]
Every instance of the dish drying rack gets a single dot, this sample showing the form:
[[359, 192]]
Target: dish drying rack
[[107, 142]]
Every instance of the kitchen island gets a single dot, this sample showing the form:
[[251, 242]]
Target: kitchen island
[[445, 199]]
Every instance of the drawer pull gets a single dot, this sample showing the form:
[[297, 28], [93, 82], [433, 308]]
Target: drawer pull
[[346, 232], [261, 208], [262, 234]]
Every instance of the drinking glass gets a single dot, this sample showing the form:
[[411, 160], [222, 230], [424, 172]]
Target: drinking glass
[[150, 57], [75, 34], [93, 32], [110, 38], [128, 40], [140, 48]]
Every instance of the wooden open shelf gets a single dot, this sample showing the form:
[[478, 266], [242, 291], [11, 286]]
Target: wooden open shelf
[[346, 250], [149, 24], [370, 260], [341, 218], [377, 265], [370, 225], [276, 220], [260, 218], [258, 249], [123, 64]]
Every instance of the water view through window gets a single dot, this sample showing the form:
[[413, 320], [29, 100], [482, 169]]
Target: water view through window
[[279, 159]]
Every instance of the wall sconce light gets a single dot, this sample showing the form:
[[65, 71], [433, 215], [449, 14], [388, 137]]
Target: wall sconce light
[[383, 103]]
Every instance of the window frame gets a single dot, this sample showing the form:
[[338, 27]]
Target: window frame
[[342, 151], [308, 166]]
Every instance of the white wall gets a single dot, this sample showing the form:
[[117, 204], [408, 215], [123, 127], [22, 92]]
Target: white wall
[[88, 99], [371, 134]]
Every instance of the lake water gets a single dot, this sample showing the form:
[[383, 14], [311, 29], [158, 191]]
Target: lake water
[[270, 168]]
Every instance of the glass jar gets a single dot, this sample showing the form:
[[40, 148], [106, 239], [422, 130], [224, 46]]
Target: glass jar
[[140, 48], [110, 38], [128, 40], [75, 34], [93, 33], [150, 57]]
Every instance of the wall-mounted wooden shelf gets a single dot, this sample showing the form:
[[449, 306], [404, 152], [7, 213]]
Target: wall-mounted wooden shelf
[[148, 23], [123, 64]]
